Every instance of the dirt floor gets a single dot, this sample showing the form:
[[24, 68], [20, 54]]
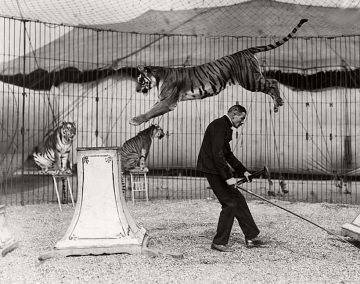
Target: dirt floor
[[297, 251]]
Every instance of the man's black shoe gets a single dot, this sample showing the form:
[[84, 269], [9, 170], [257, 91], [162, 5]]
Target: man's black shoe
[[222, 248], [255, 242]]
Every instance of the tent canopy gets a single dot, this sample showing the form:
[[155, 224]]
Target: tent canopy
[[197, 36]]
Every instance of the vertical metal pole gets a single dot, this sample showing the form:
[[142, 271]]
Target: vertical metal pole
[[97, 90], [3, 188], [23, 121], [347, 138]]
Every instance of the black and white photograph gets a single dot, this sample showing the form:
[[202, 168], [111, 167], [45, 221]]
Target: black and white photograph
[[162, 141]]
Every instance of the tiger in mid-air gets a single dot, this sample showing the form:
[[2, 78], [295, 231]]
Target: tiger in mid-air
[[209, 79], [135, 151], [54, 153]]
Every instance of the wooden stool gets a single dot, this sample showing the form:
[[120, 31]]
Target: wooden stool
[[139, 182], [62, 177]]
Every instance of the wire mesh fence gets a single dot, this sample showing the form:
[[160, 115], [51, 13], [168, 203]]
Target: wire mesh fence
[[53, 73]]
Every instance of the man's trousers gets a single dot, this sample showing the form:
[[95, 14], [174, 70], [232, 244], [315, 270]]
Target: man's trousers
[[233, 205]]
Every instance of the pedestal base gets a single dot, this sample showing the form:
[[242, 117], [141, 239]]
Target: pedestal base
[[123, 249], [93, 250]]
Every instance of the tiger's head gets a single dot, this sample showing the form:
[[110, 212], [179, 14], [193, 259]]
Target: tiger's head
[[157, 131], [68, 131], [146, 80]]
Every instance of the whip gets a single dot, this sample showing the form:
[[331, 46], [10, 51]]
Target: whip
[[266, 173]]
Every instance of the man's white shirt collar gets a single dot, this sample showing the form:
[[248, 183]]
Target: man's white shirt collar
[[232, 125]]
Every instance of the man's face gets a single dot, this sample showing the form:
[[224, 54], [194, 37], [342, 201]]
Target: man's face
[[238, 119]]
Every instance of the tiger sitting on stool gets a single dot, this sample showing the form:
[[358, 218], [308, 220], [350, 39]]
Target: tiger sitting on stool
[[54, 153], [209, 79], [134, 152]]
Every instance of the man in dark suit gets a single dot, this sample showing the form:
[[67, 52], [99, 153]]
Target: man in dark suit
[[214, 159]]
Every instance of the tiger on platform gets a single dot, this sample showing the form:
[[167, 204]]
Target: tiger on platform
[[135, 151], [53, 154]]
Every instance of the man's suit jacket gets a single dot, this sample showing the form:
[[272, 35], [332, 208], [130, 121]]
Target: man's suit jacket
[[215, 152]]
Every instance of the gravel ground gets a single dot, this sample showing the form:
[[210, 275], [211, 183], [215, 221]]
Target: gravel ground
[[298, 252]]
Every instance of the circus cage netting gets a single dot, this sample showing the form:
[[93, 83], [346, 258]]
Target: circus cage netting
[[85, 72]]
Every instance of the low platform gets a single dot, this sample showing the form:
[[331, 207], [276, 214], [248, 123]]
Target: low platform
[[41, 173], [55, 175], [352, 229]]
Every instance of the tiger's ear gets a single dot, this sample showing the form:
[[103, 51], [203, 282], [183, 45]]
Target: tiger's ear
[[141, 68]]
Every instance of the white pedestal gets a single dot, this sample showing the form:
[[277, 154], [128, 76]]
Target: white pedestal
[[101, 223]]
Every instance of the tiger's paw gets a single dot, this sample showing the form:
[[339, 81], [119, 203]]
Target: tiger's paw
[[64, 171], [56, 172], [137, 120]]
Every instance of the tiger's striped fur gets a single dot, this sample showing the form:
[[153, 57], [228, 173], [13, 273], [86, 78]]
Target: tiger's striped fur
[[135, 151], [54, 152], [209, 79]]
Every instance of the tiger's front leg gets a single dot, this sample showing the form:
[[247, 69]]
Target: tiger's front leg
[[57, 164], [142, 159], [137, 120], [64, 161], [61, 164], [161, 107]]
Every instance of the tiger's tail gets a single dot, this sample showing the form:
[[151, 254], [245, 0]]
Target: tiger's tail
[[257, 49]]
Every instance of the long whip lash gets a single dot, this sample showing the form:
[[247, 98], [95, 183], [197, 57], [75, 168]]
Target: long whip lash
[[268, 201]]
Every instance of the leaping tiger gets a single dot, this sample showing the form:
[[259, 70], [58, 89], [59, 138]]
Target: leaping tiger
[[209, 79]]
